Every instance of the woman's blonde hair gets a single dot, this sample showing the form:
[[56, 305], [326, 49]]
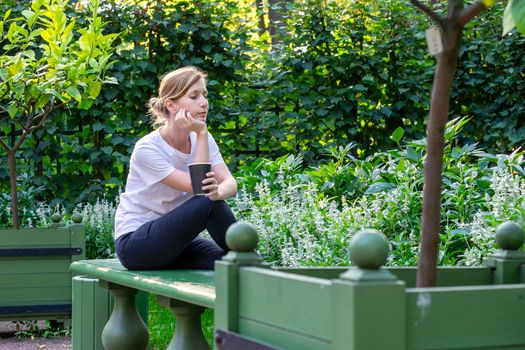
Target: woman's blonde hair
[[173, 85]]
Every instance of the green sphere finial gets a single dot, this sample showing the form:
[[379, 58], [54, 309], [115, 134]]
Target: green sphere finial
[[510, 236], [241, 237], [369, 249], [76, 218], [56, 218]]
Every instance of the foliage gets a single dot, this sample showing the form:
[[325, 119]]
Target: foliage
[[346, 73], [304, 220], [31, 329], [47, 61]]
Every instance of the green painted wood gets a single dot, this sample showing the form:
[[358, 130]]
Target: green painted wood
[[368, 315], [193, 286], [35, 280], [35, 296], [325, 272], [281, 338], [25, 238], [477, 317], [188, 331], [227, 297], [447, 275], [521, 274], [40, 265], [125, 330], [78, 239], [91, 310], [298, 303]]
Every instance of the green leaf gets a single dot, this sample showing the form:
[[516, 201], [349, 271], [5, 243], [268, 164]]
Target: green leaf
[[73, 92], [12, 110], [94, 89], [15, 67], [97, 126], [84, 43], [518, 14], [29, 15], [48, 35], [379, 187], [508, 20], [397, 135], [37, 4]]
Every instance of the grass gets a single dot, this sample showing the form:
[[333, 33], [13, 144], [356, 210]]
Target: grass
[[162, 324]]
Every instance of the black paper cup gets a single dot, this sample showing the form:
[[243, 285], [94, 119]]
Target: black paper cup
[[198, 174]]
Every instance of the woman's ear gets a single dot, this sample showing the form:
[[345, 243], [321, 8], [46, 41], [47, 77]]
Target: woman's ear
[[170, 106]]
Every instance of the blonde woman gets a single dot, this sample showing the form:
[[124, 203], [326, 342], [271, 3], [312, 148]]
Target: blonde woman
[[158, 220]]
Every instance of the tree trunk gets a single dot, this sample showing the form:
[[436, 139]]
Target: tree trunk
[[260, 14], [438, 115], [276, 16], [12, 179]]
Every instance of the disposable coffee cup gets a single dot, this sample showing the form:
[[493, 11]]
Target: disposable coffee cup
[[198, 174]]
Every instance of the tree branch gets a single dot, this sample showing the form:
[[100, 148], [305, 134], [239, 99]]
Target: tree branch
[[470, 12], [433, 15], [4, 145]]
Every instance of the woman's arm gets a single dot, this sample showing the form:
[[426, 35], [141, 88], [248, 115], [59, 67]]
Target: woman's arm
[[178, 180]]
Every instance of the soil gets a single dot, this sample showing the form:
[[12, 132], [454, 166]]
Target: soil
[[10, 341]]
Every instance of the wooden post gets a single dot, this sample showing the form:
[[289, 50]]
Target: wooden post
[[368, 303], [91, 311], [242, 239], [508, 260]]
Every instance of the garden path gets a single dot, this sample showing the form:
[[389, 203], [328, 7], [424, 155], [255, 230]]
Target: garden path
[[8, 340]]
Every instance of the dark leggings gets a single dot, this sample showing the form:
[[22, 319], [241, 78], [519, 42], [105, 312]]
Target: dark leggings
[[172, 242]]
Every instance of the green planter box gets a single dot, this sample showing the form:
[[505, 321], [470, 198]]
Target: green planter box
[[35, 280], [370, 307]]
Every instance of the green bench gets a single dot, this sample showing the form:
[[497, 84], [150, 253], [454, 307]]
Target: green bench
[[186, 292]]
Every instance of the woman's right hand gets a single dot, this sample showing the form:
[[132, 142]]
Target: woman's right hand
[[184, 120]]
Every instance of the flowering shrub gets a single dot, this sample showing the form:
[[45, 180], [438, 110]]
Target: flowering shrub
[[307, 216], [507, 202], [99, 220]]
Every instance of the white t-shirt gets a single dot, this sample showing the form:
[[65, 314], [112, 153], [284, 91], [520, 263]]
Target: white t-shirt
[[145, 198]]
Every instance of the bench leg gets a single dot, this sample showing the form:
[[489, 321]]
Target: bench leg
[[188, 331], [125, 329]]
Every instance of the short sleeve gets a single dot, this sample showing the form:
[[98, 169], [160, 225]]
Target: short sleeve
[[151, 164], [215, 154]]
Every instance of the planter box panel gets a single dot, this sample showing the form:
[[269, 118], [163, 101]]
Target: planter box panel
[[448, 276], [35, 237], [489, 317], [314, 271], [35, 296], [294, 303], [281, 338], [28, 265], [35, 280]]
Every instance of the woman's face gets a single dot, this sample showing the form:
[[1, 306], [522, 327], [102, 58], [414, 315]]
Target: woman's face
[[195, 101]]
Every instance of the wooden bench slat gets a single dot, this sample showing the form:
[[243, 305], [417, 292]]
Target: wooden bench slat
[[193, 286]]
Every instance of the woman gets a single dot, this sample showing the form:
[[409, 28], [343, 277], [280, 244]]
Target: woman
[[158, 220]]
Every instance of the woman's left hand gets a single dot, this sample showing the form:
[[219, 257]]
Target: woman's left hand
[[211, 187]]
